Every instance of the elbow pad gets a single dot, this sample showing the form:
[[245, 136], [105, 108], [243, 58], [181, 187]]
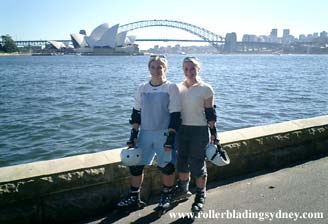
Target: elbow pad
[[135, 117], [210, 114], [175, 120]]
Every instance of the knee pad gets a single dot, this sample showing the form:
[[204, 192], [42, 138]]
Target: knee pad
[[168, 169], [136, 170]]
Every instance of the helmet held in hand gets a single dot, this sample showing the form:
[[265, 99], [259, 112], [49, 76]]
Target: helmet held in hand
[[217, 155], [131, 156]]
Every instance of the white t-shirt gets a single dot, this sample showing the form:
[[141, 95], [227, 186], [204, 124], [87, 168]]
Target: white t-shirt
[[156, 103], [192, 101]]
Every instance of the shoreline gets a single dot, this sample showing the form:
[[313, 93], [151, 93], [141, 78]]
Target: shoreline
[[15, 54], [239, 53]]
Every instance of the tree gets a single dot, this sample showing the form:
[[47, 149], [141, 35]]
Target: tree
[[9, 44]]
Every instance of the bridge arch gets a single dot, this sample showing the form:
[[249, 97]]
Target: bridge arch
[[208, 36]]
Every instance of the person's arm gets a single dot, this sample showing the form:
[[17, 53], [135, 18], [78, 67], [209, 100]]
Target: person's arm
[[175, 122], [175, 117], [135, 122], [210, 114]]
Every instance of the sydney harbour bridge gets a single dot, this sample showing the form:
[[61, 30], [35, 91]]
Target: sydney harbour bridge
[[203, 35]]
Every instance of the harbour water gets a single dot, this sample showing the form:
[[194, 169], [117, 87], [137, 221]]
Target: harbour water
[[52, 107]]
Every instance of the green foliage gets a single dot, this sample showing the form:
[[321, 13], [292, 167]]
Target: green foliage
[[8, 44]]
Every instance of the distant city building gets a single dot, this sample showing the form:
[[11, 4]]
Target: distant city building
[[249, 38], [274, 35], [323, 34], [230, 44], [305, 44], [302, 38], [286, 37], [285, 33], [263, 38], [309, 38]]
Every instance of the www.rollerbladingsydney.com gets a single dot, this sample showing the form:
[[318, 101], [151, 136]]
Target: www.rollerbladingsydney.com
[[248, 214]]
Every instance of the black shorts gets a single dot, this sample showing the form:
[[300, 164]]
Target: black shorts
[[192, 142]]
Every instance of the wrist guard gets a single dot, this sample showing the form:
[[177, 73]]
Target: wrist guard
[[170, 140], [133, 135]]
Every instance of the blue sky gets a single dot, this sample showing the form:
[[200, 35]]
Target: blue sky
[[44, 19]]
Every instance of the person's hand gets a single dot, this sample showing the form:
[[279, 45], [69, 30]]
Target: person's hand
[[213, 139], [132, 142], [214, 135], [169, 144]]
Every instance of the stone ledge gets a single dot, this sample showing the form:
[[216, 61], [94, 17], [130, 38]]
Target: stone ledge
[[48, 167]]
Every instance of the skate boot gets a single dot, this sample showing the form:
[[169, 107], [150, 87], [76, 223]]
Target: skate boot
[[131, 202], [198, 204], [165, 202], [181, 191]]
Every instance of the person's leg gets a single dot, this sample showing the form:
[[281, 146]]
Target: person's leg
[[165, 159], [182, 188], [199, 202], [132, 200], [199, 171], [168, 180], [198, 166], [201, 183], [168, 175]]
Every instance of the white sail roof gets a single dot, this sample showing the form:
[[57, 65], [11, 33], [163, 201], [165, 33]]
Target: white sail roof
[[56, 44], [120, 38], [108, 38], [99, 31], [78, 40], [130, 39]]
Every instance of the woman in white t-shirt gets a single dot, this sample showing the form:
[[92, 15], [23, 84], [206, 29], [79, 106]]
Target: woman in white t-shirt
[[198, 115]]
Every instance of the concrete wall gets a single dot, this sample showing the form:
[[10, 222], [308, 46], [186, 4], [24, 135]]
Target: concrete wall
[[75, 188]]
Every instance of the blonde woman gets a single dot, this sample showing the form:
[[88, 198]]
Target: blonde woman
[[198, 115], [157, 113]]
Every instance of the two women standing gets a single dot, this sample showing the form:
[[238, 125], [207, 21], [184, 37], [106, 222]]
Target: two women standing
[[157, 110]]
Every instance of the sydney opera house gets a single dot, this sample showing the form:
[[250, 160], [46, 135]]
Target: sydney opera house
[[104, 40]]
